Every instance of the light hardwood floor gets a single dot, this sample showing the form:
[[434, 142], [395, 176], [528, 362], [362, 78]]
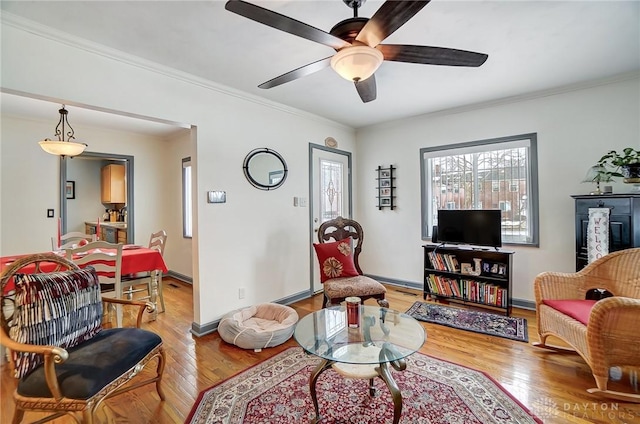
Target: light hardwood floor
[[552, 385]]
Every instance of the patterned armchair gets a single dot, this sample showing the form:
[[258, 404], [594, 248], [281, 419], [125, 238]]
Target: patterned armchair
[[65, 361], [604, 332], [339, 268]]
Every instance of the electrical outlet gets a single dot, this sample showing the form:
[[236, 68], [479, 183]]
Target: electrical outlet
[[295, 202], [303, 202], [241, 293]]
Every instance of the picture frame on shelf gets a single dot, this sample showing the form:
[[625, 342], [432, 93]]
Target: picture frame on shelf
[[466, 268], [385, 173], [385, 201], [385, 191], [385, 183]]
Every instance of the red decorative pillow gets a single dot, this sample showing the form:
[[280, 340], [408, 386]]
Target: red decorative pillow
[[336, 259]]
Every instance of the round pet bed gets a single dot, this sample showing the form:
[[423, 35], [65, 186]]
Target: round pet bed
[[258, 326]]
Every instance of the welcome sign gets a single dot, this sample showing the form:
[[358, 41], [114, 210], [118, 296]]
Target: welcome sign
[[597, 233]]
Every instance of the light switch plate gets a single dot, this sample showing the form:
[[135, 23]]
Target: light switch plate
[[216, 196]]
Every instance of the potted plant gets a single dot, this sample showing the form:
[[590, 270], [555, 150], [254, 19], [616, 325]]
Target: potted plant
[[625, 164]]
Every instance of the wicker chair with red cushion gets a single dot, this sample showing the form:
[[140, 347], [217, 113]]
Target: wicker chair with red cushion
[[338, 251], [64, 359], [604, 332]]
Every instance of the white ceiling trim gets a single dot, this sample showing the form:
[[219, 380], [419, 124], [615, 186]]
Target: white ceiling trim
[[524, 97], [56, 35]]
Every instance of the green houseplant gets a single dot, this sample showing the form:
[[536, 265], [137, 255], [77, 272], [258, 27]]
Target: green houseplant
[[625, 164]]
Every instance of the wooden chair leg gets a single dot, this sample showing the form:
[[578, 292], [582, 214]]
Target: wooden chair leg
[[87, 416], [18, 414], [160, 294], [384, 303], [160, 373]]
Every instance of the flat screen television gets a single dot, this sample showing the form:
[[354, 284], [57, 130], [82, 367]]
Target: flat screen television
[[479, 227]]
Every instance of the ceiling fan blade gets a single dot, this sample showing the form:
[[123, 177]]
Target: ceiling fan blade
[[302, 71], [391, 16], [431, 55], [367, 89], [284, 23]]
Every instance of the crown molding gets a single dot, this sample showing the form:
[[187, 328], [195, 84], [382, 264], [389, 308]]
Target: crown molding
[[518, 98], [53, 34]]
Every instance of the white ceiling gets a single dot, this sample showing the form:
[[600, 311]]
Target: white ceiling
[[532, 46]]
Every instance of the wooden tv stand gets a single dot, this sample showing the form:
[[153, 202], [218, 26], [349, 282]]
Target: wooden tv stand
[[446, 280]]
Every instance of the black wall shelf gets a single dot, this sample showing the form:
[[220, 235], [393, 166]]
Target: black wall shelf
[[386, 187]]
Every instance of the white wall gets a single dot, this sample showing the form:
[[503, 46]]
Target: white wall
[[30, 183], [574, 130], [257, 240], [177, 248]]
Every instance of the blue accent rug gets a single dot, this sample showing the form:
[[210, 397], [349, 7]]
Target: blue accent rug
[[476, 321]]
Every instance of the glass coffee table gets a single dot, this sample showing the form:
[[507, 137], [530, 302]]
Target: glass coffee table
[[383, 338]]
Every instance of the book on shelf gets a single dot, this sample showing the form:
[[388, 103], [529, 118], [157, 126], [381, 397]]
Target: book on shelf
[[444, 262]]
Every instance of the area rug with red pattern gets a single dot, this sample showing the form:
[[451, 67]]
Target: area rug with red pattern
[[276, 391]]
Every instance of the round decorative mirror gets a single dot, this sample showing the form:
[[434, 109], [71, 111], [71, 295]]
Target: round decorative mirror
[[265, 169]]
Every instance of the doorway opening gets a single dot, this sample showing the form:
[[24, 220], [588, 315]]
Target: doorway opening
[[73, 213]]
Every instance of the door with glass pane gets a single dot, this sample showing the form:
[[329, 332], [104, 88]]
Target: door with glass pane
[[330, 193]]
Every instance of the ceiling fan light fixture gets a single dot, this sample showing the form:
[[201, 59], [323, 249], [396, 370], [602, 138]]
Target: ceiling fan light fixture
[[356, 63], [62, 147]]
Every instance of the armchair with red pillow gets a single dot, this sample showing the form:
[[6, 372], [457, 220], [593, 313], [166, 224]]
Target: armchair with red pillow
[[340, 244]]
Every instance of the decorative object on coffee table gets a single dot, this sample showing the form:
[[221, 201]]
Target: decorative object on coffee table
[[476, 321]]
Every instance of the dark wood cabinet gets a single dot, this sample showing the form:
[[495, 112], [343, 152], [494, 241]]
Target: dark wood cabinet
[[445, 278], [624, 222]]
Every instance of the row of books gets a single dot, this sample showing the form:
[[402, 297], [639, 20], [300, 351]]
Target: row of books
[[444, 261], [469, 290]]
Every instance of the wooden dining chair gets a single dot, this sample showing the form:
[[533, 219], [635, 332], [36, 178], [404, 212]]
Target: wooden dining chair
[[68, 240], [131, 283], [106, 258]]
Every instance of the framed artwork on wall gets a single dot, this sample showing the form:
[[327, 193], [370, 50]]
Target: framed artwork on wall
[[386, 187], [70, 190]]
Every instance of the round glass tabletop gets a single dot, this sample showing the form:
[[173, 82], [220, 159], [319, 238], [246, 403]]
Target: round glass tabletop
[[382, 335]]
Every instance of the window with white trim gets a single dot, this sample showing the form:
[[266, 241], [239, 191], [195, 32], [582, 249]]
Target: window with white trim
[[498, 173], [187, 211]]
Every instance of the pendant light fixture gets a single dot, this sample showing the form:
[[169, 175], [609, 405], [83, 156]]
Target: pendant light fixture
[[62, 147]]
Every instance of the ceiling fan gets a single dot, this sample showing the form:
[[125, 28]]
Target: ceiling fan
[[357, 43]]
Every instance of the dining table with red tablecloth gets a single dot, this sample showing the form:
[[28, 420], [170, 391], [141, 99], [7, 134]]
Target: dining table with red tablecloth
[[135, 259]]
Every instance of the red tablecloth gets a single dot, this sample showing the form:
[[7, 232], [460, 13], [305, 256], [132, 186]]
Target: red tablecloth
[[134, 259]]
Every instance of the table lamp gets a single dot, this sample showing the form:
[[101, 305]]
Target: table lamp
[[597, 174]]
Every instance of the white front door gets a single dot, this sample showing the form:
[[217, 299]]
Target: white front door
[[330, 193]]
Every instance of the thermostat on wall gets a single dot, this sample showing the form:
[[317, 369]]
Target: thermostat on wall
[[216, 197]]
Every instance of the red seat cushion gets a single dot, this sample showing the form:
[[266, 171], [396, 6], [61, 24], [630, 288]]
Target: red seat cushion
[[576, 309], [336, 259]]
